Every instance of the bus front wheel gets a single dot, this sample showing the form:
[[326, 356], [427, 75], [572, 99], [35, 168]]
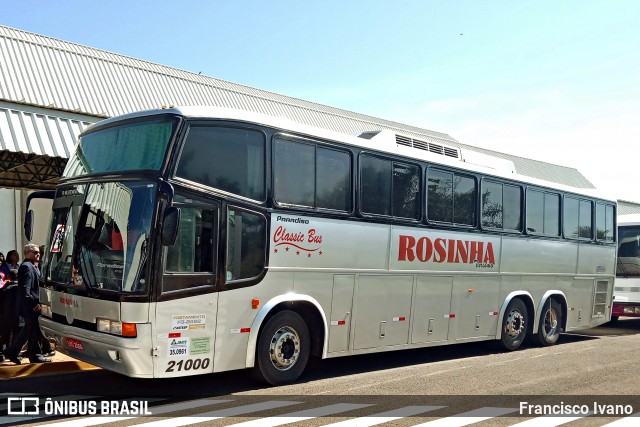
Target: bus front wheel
[[550, 323], [514, 324], [283, 349]]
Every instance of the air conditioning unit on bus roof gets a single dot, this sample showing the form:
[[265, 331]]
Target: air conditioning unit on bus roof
[[481, 159], [392, 140]]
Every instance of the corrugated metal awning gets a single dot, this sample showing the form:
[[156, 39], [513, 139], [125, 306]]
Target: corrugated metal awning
[[35, 144]]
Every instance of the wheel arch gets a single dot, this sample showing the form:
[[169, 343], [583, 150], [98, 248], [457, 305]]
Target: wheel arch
[[307, 307], [561, 299], [526, 298]]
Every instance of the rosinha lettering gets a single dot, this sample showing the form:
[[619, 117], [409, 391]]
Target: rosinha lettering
[[442, 250]]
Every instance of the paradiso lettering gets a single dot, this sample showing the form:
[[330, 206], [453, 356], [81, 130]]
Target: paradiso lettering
[[442, 250]]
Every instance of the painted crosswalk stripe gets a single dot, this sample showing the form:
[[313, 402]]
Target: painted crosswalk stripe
[[385, 417], [470, 417], [222, 413], [160, 410], [550, 421], [307, 414], [630, 421]]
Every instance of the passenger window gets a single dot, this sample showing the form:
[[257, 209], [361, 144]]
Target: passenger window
[[294, 173], [228, 159], [451, 198], [604, 222], [311, 176], [246, 244], [501, 206], [543, 212], [376, 185], [390, 188], [577, 218]]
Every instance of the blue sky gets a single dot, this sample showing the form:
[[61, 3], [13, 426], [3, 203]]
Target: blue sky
[[557, 81]]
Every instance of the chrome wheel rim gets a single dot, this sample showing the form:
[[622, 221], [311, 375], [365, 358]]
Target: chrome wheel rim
[[284, 348], [515, 324], [550, 327]]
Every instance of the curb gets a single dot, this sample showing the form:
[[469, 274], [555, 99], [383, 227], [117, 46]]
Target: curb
[[37, 369]]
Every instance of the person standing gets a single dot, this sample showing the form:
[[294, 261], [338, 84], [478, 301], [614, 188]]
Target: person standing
[[29, 306], [10, 323]]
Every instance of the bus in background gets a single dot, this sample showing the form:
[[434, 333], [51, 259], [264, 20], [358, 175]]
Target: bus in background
[[195, 240], [626, 300]]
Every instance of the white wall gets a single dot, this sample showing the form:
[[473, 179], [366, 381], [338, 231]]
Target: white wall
[[8, 230], [12, 206]]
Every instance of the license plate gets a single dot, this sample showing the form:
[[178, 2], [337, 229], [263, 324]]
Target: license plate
[[74, 344]]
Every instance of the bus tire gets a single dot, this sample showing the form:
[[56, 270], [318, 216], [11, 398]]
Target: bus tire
[[514, 324], [283, 349], [614, 319], [550, 323]]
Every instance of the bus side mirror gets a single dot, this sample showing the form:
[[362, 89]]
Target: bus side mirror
[[170, 226], [28, 224]]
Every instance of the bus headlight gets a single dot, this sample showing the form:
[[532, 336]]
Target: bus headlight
[[46, 310], [115, 327]]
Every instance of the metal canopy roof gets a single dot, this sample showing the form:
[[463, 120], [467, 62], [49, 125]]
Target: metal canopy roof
[[76, 85], [35, 144]]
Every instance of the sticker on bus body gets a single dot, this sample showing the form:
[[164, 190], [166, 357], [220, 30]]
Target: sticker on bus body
[[74, 343], [178, 347], [184, 322]]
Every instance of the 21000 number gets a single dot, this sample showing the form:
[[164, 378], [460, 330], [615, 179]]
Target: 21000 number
[[187, 365]]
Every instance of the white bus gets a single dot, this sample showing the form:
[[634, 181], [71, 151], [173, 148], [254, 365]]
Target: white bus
[[194, 240], [626, 300]]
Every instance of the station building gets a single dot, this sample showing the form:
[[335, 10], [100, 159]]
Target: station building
[[51, 90]]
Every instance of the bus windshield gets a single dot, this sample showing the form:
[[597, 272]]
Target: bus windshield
[[629, 251], [130, 146], [100, 236]]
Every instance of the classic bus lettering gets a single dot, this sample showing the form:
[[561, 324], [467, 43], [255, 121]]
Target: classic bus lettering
[[281, 235]]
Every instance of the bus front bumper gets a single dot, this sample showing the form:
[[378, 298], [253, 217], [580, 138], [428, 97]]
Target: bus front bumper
[[627, 309], [126, 356]]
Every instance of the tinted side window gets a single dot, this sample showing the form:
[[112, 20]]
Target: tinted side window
[[604, 222], [312, 176], [571, 217], [501, 206], [376, 185], [543, 212], [406, 191], [535, 211], [577, 218], [464, 200], [228, 159], [333, 179], [585, 219], [440, 196], [552, 214], [389, 188], [451, 198], [491, 204], [246, 244], [294, 173]]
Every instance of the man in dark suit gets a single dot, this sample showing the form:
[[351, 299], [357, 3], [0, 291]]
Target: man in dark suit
[[28, 303]]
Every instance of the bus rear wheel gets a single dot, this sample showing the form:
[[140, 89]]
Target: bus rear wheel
[[283, 349], [550, 323], [514, 324]]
